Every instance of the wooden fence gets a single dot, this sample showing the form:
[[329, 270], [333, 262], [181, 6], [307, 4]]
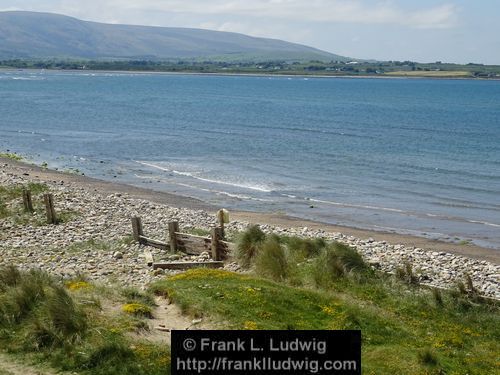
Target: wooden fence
[[49, 206], [186, 243]]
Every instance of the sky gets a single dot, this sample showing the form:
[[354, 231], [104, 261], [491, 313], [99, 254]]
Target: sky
[[461, 31]]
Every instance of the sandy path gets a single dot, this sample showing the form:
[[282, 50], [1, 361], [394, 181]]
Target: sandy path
[[12, 366]]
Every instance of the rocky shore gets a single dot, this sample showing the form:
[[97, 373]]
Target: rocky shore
[[97, 240]]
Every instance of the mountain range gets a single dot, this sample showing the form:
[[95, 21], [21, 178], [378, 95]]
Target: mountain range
[[37, 35]]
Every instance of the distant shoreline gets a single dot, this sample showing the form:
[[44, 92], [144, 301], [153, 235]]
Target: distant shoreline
[[281, 220], [262, 74]]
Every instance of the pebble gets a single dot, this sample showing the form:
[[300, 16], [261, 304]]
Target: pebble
[[118, 255], [105, 219]]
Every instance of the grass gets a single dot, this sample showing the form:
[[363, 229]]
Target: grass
[[53, 323], [133, 295], [11, 205], [101, 245], [249, 244], [405, 273], [304, 247], [428, 358], [8, 193], [337, 261], [243, 300], [296, 284], [398, 324], [282, 258], [271, 261], [10, 155]]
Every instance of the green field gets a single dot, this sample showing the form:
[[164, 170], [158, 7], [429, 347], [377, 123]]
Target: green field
[[434, 74]]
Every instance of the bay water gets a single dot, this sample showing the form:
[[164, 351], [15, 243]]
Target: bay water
[[415, 156]]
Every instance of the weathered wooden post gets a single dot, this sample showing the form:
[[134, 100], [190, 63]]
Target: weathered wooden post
[[137, 228], [28, 204], [216, 237], [49, 208], [223, 217], [173, 227]]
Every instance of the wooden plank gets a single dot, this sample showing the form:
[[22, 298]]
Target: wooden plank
[[154, 243], [149, 257], [202, 242], [173, 227], [193, 236], [192, 244], [192, 248], [137, 228], [27, 202], [187, 265]]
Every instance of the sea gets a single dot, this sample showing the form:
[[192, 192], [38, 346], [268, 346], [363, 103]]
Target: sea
[[410, 156]]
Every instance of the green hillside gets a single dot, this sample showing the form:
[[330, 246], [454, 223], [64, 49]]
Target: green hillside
[[45, 35]]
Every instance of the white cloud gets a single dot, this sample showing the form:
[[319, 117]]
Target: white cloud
[[9, 9], [353, 11], [328, 11], [269, 30], [441, 17]]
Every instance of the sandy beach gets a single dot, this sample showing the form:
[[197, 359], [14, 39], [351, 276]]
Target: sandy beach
[[103, 211]]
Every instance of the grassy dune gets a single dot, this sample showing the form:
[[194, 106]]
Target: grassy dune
[[404, 331], [64, 325], [308, 284]]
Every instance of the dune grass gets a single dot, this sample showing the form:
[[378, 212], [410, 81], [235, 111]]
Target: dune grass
[[406, 329], [271, 260], [249, 243], [62, 325]]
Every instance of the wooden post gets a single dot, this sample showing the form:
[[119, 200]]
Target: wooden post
[[148, 256], [220, 217], [49, 208], [173, 227], [137, 228], [216, 237], [28, 204]]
